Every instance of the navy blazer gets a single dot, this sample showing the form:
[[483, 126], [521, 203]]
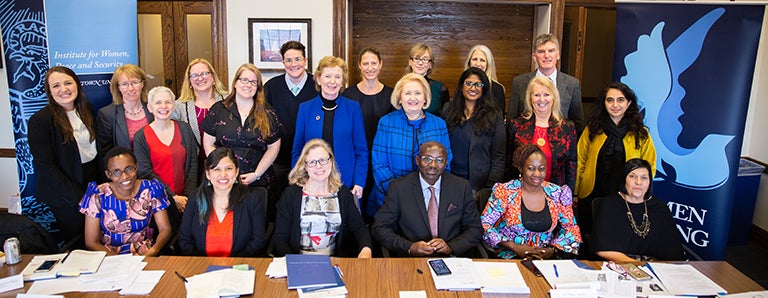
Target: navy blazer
[[403, 218], [248, 233], [286, 107], [112, 128], [349, 144], [567, 87], [352, 238]]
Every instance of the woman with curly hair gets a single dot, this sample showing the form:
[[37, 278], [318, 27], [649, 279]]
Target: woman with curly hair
[[614, 134]]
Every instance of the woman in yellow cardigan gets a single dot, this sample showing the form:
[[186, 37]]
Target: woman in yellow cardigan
[[614, 134]]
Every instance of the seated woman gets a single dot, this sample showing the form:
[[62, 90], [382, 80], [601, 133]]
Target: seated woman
[[633, 225], [530, 217], [118, 213], [223, 218], [317, 213]]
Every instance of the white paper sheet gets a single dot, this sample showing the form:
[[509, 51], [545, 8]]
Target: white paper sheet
[[413, 294], [277, 268], [225, 282], [144, 283], [684, 279], [463, 277], [11, 283], [501, 277]]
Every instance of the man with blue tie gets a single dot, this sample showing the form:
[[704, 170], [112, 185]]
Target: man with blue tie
[[429, 212]]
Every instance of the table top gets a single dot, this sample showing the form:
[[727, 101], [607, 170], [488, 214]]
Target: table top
[[378, 277]]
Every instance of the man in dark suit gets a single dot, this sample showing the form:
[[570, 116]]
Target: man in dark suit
[[546, 53], [406, 225]]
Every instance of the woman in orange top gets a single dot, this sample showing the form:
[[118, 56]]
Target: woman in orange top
[[223, 218]]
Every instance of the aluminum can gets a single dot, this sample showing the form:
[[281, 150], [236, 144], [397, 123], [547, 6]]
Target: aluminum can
[[12, 251]]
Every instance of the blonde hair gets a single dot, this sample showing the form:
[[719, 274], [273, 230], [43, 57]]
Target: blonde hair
[[131, 71], [258, 111], [557, 116], [491, 69], [331, 61], [418, 50], [186, 93], [299, 174], [410, 77]]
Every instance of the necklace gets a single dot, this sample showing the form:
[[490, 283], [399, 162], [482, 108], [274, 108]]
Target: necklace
[[134, 114], [330, 109], [540, 134], [645, 227]]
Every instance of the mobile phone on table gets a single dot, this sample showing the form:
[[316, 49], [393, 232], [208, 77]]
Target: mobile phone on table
[[439, 267], [529, 264], [47, 265], [635, 272]]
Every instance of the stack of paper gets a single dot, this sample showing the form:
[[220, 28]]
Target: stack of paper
[[225, 282], [463, 276], [683, 279], [501, 277], [336, 290], [277, 268], [115, 273]]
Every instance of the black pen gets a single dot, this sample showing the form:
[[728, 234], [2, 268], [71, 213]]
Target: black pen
[[419, 271], [181, 276]]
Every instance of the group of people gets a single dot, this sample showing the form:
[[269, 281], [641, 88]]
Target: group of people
[[338, 169]]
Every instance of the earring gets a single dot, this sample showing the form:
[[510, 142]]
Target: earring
[[208, 183]]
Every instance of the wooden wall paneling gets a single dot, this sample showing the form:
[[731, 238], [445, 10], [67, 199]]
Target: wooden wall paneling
[[220, 62], [599, 43], [339, 29], [451, 28], [7, 153]]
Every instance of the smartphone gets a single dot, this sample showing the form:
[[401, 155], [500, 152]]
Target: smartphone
[[635, 272], [47, 265], [529, 264], [439, 267]]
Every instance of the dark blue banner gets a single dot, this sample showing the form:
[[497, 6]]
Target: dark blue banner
[[92, 37], [691, 66]]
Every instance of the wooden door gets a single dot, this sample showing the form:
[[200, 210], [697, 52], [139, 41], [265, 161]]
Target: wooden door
[[587, 47], [172, 33]]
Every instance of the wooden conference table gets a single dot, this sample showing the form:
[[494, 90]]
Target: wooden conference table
[[379, 277]]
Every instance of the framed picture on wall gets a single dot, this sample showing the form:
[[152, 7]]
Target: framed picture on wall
[[265, 36]]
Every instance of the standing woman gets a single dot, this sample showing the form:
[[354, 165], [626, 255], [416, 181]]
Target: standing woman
[[120, 121], [476, 129], [317, 213], [338, 121], [199, 91], [62, 143], [166, 149], [421, 61], [223, 218], [542, 124], [400, 133], [480, 56], [118, 213], [614, 134]]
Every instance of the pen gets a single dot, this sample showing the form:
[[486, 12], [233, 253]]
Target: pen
[[180, 276], [419, 271], [556, 273], [341, 273]]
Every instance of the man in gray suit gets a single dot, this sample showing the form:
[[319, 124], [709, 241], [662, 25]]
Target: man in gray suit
[[429, 212], [546, 53]]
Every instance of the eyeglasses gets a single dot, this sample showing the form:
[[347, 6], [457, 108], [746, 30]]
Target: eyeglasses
[[292, 60], [130, 170], [194, 76], [313, 163], [429, 159], [134, 84], [254, 83], [469, 84], [421, 60]]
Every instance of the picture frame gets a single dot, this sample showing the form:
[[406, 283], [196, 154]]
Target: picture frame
[[266, 36]]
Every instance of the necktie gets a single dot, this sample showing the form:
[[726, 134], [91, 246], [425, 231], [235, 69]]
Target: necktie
[[295, 90], [432, 212]]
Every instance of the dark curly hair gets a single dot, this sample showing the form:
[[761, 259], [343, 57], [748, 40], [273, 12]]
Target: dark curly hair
[[632, 117], [485, 113], [522, 153]]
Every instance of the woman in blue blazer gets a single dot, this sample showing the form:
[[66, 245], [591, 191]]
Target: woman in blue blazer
[[338, 121]]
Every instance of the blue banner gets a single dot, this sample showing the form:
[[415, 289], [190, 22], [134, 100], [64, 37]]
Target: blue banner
[[691, 66], [92, 37]]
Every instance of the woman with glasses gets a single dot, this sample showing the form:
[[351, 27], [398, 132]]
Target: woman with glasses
[[199, 91], [223, 218], [338, 121], [317, 213], [166, 149], [245, 123], [62, 141], [480, 56], [421, 61], [476, 129], [120, 121], [118, 214], [399, 135]]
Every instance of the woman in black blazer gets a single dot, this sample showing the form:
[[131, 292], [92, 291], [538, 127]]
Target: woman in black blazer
[[476, 130], [317, 213], [128, 112], [223, 218], [63, 147]]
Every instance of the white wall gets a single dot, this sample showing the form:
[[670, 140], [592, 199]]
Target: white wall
[[9, 179], [238, 12]]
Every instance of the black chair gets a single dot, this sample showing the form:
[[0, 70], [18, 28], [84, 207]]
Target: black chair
[[270, 228], [33, 238]]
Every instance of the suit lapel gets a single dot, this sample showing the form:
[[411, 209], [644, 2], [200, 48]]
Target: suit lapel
[[121, 125], [416, 189]]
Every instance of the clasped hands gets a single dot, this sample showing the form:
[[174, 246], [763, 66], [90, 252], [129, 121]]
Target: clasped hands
[[436, 246]]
